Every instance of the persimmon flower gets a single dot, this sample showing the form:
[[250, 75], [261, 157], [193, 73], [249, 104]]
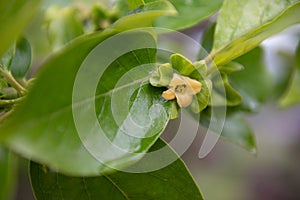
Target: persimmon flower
[[182, 88]]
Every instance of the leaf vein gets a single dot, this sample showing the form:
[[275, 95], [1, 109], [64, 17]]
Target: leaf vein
[[122, 192], [85, 188]]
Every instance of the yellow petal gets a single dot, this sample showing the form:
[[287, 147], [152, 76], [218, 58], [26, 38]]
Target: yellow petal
[[168, 95], [176, 80], [192, 84], [184, 100]]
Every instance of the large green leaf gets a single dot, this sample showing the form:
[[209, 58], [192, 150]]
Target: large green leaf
[[8, 169], [42, 127], [251, 23], [14, 15], [171, 182]]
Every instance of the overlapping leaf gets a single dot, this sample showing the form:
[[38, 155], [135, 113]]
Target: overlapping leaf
[[251, 23]]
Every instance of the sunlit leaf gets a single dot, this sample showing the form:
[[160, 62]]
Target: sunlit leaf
[[171, 182], [251, 23]]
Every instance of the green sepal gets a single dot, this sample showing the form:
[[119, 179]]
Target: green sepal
[[201, 99], [231, 67], [181, 64], [231, 96], [163, 76], [200, 68], [174, 110]]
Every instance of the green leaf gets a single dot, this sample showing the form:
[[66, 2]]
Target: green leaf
[[254, 83], [162, 76], [50, 132], [63, 25], [189, 13], [21, 60], [8, 170], [135, 3], [182, 65], [231, 67], [145, 15], [47, 134], [235, 129], [292, 95], [171, 182], [251, 23], [203, 97], [14, 16]]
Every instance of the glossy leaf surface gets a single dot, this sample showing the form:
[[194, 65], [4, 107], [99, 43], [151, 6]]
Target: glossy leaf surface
[[48, 134], [251, 23], [171, 182]]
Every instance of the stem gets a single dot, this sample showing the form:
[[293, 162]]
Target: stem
[[4, 114], [8, 102], [12, 81]]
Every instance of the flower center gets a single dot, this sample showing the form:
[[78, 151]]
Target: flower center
[[180, 88]]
